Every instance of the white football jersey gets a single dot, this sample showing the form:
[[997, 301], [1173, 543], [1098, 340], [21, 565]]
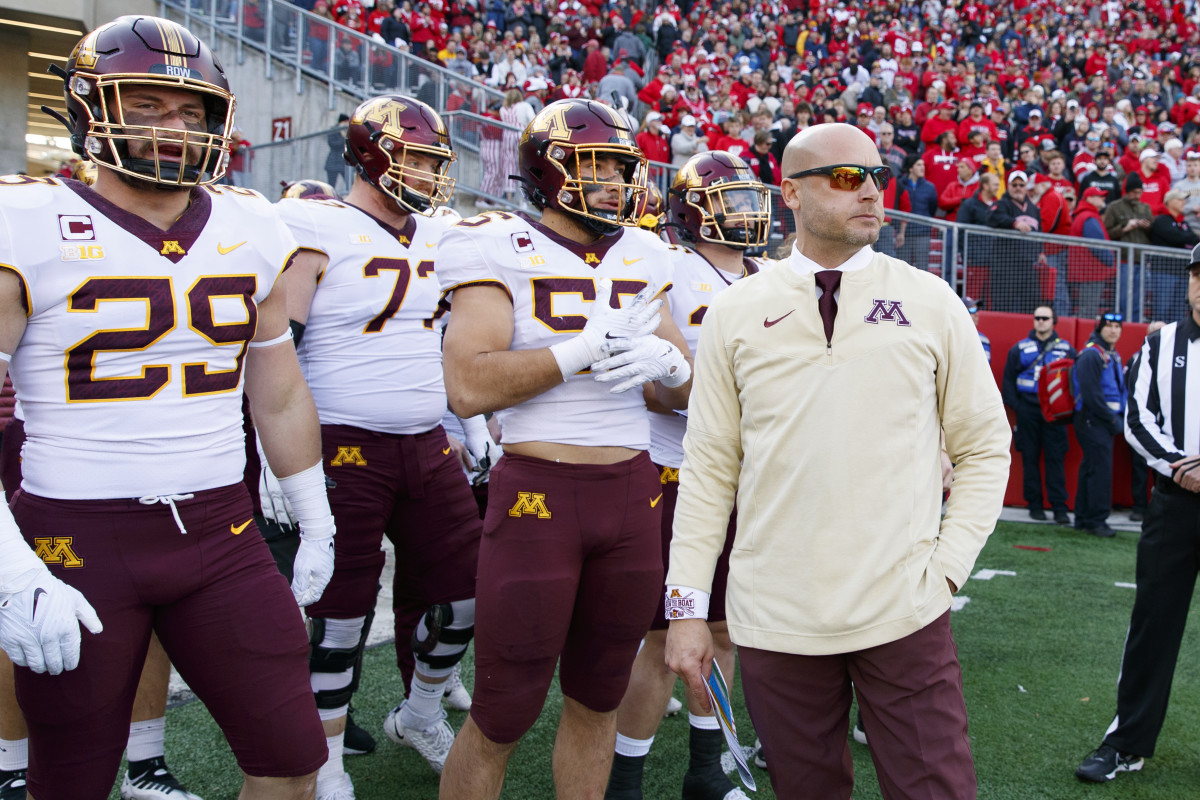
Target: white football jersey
[[697, 282], [130, 369], [371, 352], [552, 283]]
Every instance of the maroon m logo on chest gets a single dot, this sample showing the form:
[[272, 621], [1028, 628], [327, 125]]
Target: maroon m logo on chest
[[887, 311]]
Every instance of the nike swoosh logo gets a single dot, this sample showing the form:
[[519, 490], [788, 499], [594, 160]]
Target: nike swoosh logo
[[431, 244], [654, 502], [446, 452], [629, 261], [236, 529], [37, 593], [227, 250], [769, 322], [610, 336]]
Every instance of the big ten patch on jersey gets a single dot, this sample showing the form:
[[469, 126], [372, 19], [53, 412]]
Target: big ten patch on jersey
[[122, 312], [552, 282], [697, 284], [371, 351]]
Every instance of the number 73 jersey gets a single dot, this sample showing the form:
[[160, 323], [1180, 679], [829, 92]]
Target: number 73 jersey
[[371, 352], [130, 368]]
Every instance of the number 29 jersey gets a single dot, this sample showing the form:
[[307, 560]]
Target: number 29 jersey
[[130, 368], [371, 352], [551, 281]]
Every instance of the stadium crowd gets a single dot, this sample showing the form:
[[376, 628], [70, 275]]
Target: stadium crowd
[[1045, 95]]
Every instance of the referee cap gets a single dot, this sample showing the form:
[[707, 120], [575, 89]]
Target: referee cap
[[1195, 257]]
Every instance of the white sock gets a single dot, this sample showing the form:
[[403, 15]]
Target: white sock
[[704, 723], [423, 709], [632, 747], [14, 754], [329, 776], [146, 739]]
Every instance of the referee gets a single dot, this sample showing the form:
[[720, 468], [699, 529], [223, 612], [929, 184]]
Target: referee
[[1162, 423]]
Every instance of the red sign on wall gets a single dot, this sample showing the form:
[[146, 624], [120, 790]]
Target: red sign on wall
[[281, 129]]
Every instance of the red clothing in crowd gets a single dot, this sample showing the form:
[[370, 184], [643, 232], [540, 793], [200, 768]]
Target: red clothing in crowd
[[941, 167], [655, 146], [1082, 263], [1155, 187], [950, 198], [935, 126], [984, 124]]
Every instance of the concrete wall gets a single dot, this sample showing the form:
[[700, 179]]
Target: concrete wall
[[91, 13], [260, 100], [14, 98]]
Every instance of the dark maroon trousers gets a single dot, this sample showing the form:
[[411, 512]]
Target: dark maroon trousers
[[911, 697]]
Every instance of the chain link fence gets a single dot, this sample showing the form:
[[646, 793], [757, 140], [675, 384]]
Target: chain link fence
[[1003, 270]]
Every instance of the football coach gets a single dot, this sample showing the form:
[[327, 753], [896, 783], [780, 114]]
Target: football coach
[[821, 390]]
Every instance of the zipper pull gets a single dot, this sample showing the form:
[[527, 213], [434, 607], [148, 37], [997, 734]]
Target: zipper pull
[[828, 347]]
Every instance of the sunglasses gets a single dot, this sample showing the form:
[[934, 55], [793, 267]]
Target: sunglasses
[[1042, 319], [849, 177], [1113, 317], [1093, 138]]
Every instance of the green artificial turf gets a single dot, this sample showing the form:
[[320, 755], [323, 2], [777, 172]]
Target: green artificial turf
[[1040, 653]]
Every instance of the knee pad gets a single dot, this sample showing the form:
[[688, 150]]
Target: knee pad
[[334, 662], [442, 636]]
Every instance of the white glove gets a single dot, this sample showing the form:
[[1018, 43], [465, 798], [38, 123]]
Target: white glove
[[313, 566], [639, 318], [641, 360], [483, 449], [39, 623], [272, 500]]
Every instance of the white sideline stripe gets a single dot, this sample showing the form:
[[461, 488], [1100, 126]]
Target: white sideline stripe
[[1121, 585], [988, 574]]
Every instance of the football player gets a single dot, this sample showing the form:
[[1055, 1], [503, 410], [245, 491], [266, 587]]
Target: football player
[[127, 313], [718, 209], [554, 324], [308, 187], [363, 300]]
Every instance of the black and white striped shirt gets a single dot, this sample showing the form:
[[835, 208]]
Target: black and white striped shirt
[[1162, 420]]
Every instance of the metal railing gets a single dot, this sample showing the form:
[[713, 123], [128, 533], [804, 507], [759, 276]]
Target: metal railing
[[301, 42], [1003, 270]]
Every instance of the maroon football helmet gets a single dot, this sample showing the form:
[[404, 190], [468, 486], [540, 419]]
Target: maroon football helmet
[[716, 198], [562, 143], [652, 209], [386, 134], [309, 187], [133, 54]]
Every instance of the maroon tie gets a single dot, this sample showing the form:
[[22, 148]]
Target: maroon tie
[[828, 280]]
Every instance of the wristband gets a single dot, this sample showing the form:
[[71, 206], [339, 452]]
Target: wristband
[[684, 602], [572, 356], [679, 377], [280, 339], [305, 492]]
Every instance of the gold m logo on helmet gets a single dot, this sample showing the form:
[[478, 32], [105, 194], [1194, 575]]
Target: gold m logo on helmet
[[56, 550], [348, 455], [386, 114], [85, 51], [530, 503], [552, 122]]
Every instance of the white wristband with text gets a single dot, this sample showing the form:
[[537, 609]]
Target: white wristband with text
[[684, 602]]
